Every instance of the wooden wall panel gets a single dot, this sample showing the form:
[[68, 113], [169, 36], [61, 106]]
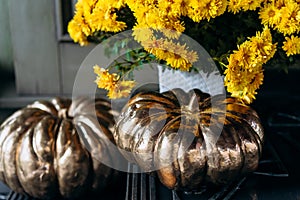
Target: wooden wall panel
[[6, 57], [72, 56], [35, 47]]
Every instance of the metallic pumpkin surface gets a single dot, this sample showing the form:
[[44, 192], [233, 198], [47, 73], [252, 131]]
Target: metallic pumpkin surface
[[173, 133], [43, 148]]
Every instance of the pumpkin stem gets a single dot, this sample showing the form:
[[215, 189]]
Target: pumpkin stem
[[193, 102], [63, 113]]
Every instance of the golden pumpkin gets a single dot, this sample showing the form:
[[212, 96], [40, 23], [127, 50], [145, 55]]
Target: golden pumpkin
[[54, 148], [190, 138]]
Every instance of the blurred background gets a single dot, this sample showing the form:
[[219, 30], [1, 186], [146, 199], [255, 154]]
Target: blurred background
[[37, 59]]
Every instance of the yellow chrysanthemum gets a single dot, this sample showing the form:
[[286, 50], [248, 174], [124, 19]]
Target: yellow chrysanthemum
[[251, 4], [111, 82], [289, 23], [162, 16], [75, 29], [270, 15], [257, 81], [279, 3], [244, 54], [283, 15], [245, 83], [104, 17], [178, 62], [142, 34], [235, 6], [92, 16], [147, 15], [176, 55], [244, 73], [104, 79], [86, 7], [121, 89], [171, 27], [291, 45], [206, 9], [183, 5], [171, 33], [135, 4], [262, 45], [244, 95], [172, 8], [159, 25], [78, 27]]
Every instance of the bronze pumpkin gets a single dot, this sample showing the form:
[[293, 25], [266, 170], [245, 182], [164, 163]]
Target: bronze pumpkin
[[53, 148], [176, 133]]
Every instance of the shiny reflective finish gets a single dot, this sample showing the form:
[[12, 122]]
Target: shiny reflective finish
[[49, 148], [157, 129]]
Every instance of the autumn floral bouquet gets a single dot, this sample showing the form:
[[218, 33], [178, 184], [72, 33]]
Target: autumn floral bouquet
[[242, 36]]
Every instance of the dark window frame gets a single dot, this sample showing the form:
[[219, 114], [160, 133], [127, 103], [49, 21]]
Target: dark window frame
[[64, 11]]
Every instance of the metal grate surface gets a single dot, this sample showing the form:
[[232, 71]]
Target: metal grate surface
[[15, 196]]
